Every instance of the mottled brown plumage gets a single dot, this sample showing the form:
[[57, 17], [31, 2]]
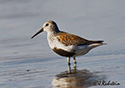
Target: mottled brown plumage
[[70, 39]]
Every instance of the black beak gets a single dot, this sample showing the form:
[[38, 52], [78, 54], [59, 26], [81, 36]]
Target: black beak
[[37, 33]]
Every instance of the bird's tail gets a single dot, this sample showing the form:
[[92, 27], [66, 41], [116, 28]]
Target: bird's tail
[[97, 43]]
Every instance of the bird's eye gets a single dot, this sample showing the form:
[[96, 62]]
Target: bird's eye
[[47, 24]]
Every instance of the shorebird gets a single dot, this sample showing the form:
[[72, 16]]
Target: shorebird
[[66, 44]]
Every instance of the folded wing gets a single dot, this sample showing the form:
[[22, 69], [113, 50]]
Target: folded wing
[[70, 39]]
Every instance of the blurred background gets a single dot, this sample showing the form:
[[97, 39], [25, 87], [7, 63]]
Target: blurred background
[[91, 19]]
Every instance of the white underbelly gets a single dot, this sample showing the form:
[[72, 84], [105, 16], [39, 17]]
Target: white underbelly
[[78, 50], [55, 43]]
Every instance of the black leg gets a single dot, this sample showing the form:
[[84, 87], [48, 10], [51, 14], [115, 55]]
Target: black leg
[[75, 63], [69, 68]]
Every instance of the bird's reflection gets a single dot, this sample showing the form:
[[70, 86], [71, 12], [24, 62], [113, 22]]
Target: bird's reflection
[[76, 79]]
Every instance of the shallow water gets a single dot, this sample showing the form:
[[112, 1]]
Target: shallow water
[[26, 63]]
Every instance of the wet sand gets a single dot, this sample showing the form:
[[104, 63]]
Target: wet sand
[[26, 63]]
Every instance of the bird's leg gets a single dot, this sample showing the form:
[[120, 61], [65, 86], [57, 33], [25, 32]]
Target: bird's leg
[[69, 68], [74, 62]]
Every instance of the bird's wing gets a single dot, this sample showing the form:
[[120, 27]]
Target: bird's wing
[[70, 39]]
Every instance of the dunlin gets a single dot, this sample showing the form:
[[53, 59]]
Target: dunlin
[[66, 44]]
